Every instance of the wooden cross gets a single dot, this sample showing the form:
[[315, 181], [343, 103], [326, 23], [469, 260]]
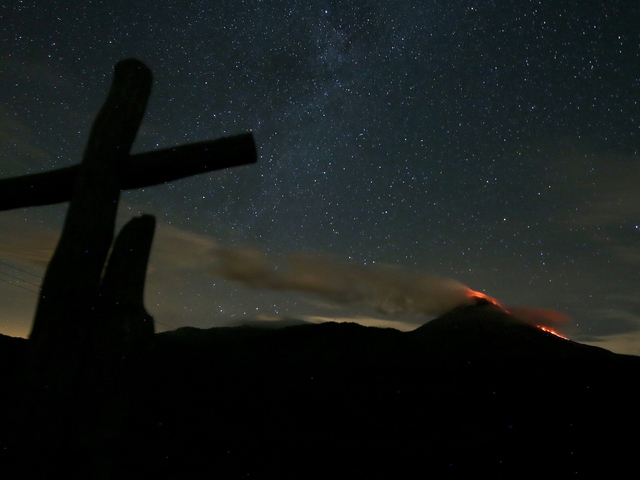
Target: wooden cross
[[90, 317], [94, 187]]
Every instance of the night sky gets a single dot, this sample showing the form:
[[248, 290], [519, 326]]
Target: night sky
[[494, 143]]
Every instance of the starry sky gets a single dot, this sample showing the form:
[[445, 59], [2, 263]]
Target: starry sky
[[492, 144]]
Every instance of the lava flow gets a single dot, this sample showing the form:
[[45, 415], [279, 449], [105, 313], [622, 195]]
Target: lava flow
[[551, 331], [481, 298], [526, 314]]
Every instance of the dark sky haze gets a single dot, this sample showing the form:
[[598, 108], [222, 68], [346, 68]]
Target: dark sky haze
[[493, 143]]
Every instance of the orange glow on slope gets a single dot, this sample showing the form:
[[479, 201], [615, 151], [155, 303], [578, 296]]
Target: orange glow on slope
[[473, 294], [525, 314], [551, 331]]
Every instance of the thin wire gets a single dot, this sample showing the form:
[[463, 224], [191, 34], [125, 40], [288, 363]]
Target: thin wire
[[38, 286], [18, 278], [20, 270], [164, 324], [19, 286]]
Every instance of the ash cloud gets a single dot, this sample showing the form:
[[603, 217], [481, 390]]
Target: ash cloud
[[540, 316], [388, 289]]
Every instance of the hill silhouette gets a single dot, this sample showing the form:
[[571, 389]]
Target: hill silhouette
[[474, 391]]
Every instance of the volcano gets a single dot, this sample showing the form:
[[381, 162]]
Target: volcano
[[474, 391], [487, 326]]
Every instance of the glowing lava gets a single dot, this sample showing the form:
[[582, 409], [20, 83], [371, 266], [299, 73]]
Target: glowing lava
[[551, 331], [480, 297], [528, 315]]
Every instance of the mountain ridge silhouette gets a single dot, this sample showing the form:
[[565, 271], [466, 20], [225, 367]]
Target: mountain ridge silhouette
[[473, 391]]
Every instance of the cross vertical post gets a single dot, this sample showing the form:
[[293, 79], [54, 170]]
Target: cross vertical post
[[71, 281]]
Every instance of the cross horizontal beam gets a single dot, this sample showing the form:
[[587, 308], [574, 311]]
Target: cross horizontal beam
[[138, 171]]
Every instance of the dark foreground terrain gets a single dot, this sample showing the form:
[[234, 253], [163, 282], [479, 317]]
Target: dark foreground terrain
[[472, 392]]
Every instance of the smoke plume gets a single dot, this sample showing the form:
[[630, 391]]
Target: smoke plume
[[540, 316], [388, 289]]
